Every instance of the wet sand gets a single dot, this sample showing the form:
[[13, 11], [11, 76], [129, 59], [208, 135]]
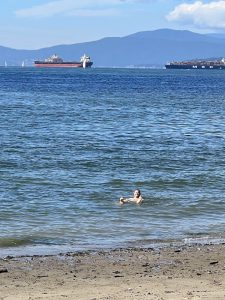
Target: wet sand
[[185, 272]]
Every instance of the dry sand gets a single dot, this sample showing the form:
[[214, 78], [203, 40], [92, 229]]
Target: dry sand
[[187, 272]]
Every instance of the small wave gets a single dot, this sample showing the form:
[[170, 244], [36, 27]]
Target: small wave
[[205, 240], [14, 242]]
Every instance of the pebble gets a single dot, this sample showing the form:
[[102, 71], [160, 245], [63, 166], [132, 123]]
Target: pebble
[[3, 270], [213, 262]]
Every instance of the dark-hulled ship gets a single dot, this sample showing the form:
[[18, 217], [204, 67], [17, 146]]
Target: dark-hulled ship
[[57, 62], [197, 64]]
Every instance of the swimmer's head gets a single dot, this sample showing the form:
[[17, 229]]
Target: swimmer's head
[[137, 193]]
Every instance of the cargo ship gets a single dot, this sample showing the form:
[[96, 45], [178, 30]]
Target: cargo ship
[[57, 62], [197, 64]]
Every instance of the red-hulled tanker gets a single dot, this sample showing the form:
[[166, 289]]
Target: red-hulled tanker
[[56, 62]]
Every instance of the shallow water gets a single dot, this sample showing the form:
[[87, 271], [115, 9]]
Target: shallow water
[[74, 141]]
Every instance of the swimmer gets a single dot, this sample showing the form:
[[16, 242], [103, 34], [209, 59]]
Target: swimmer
[[136, 199]]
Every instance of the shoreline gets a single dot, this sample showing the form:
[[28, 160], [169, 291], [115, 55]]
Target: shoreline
[[171, 272], [51, 250]]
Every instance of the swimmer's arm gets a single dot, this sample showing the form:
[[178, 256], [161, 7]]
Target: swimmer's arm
[[134, 200], [128, 200], [140, 200]]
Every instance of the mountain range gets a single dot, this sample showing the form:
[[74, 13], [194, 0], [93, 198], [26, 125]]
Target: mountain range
[[142, 49]]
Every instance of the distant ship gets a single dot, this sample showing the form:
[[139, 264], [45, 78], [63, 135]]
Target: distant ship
[[56, 62], [197, 64]]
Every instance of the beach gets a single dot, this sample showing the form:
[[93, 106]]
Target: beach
[[168, 272]]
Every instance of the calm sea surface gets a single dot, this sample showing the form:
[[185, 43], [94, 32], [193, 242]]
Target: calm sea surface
[[74, 141]]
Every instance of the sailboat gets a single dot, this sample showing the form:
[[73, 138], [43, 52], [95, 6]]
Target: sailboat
[[6, 63], [23, 64]]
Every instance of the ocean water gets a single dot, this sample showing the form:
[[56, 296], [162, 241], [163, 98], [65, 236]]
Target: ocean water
[[74, 141]]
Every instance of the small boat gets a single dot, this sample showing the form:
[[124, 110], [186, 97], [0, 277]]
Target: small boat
[[57, 62]]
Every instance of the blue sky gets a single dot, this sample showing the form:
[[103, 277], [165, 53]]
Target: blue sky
[[36, 24]]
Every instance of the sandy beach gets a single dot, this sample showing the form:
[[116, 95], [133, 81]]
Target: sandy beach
[[185, 272]]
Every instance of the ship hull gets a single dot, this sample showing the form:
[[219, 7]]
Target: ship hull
[[43, 64], [191, 66]]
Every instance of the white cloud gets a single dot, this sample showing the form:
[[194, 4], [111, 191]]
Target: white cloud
[[210, 15], [72, 7]]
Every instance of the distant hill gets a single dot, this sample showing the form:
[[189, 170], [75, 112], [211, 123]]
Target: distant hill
[[217, 35], [148, 48]]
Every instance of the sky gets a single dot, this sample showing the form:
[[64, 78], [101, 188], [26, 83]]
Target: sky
[[35, 24]]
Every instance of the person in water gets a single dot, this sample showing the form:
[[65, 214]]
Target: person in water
[[136, 199]]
